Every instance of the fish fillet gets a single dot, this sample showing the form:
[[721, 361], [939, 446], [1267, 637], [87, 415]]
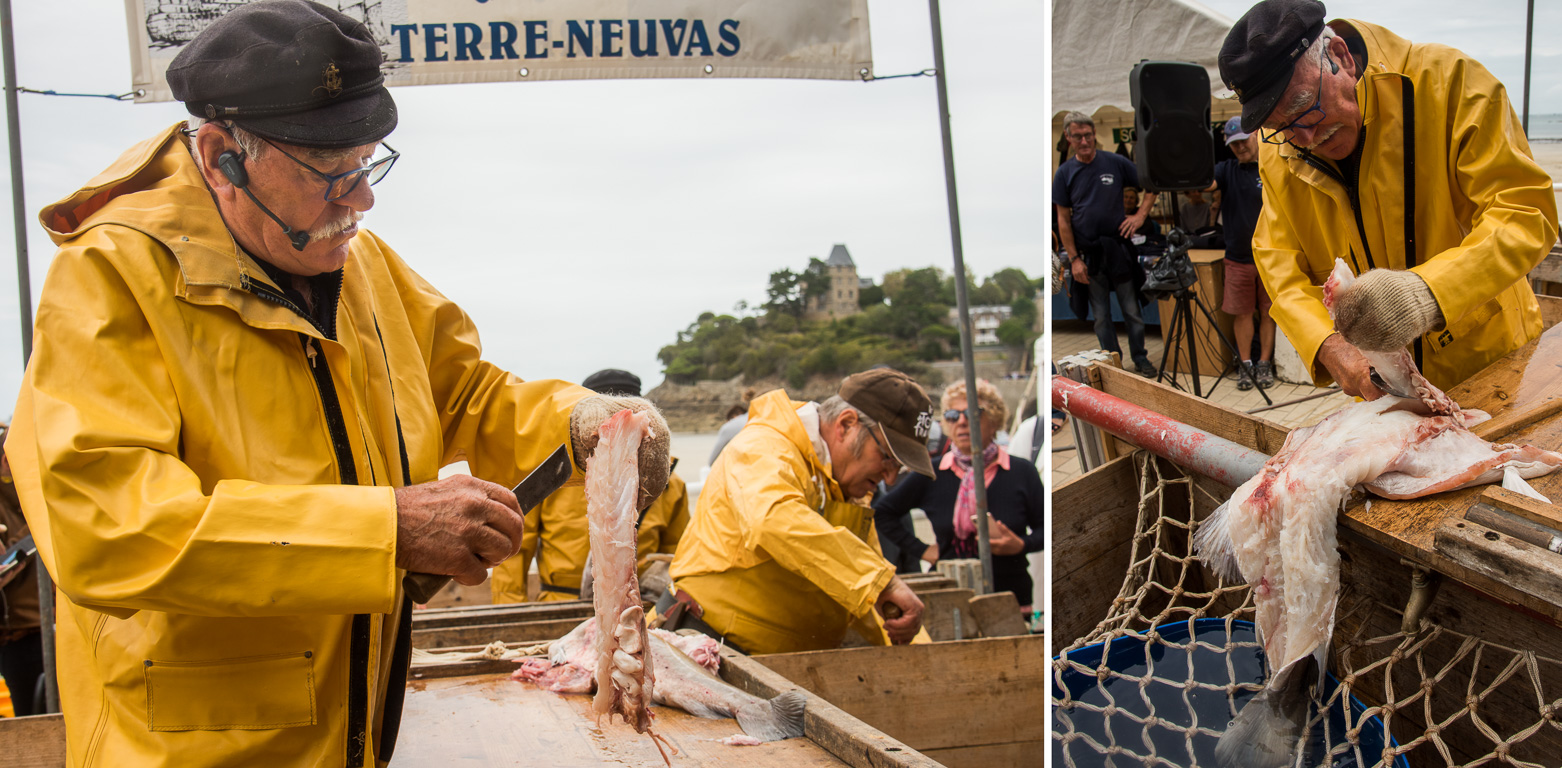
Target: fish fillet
[[624, 671], [1277, 531]]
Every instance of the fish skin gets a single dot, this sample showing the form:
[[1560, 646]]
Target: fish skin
[[681, 681], [1278, 530]]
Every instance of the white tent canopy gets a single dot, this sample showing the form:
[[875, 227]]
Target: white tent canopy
[[1096, 43]]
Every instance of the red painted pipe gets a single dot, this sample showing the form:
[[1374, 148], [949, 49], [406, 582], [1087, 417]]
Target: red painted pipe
[[1214, 457]]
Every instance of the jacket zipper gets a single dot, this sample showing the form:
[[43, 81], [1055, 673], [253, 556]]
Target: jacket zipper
[[358, 650], [1354, 195]]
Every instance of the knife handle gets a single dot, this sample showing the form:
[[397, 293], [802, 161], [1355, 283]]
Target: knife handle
[[422, 587]]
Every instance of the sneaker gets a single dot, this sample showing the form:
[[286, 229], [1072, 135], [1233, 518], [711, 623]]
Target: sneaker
[[1146, 370], [1266, 374], [1245, 375]]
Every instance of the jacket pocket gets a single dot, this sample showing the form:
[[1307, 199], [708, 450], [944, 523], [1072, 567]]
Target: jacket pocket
[[1472, 322], [251, 693]]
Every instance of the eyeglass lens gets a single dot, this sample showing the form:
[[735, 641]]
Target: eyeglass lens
[[954, 415], [344, 185]]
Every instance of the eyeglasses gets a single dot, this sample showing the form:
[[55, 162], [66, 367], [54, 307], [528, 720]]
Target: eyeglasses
[[340, 185], [890, 462], [954, 415], [1278, 136]]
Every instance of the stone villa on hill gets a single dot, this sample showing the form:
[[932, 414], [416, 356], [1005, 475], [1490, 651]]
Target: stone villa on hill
[[841, 299]]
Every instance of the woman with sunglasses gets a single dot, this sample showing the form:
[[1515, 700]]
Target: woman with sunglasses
[[1014, 497]]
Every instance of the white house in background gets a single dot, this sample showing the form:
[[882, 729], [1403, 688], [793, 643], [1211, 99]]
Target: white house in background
[[984, 322]]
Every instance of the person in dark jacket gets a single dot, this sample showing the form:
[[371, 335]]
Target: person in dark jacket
[[1015, 498]]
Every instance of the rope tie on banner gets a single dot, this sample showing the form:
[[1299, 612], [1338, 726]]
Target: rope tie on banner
[[868, 77], [116, 97]]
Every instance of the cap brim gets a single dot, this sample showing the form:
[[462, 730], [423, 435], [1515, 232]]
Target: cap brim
[[352, 123], [909, 451], [1236, 137], [1258, 108]]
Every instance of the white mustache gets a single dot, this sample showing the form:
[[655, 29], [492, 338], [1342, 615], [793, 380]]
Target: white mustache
[[334, 228], [1317, 140]]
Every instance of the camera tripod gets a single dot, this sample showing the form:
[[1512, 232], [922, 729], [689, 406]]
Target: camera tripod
[[1181, 327]]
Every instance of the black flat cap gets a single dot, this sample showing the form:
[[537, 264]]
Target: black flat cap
[[289, 70], [611, 381], [1261, 50]]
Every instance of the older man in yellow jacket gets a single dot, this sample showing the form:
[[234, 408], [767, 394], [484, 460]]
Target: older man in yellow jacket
[[779, 556], [229, 436], [1407, 161]]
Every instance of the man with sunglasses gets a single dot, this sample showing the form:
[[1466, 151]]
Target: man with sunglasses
[[1405, 160], [781, 554], [229, 438]]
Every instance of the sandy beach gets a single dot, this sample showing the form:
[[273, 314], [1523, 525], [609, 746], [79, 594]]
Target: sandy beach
[[1549, 155]]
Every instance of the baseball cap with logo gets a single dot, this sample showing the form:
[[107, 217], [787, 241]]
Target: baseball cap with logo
[[904, 413], [1261, 50], [1233, 130], [288, 70]]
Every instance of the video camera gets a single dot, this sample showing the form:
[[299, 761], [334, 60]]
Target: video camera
[[1173, 271]]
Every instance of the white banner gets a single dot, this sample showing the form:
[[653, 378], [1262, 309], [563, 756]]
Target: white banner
[[427, 42]]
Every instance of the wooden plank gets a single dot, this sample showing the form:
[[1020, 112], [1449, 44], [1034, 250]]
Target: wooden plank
[[505, 612], [482, 634], [998, 615], [922, 582], [33, 742], [454, 594], [1550, 310], [488, 720], [1533, 510], [1519, 564], [926, 695], [1093, 519], [1550, 268], [1016, 753], [1240, 428], [855, 742], [938, 609]]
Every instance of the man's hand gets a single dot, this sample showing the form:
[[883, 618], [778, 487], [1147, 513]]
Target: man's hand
[[458, 527], [1001, 540], [1386, 309], [1348, 367], [930, 555], [655, 450], [1132, 223], [1081, 274], [902, 620]]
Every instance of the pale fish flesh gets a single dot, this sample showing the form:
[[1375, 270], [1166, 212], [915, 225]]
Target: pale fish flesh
[[1277, 531], [686, 678], [625, 673]]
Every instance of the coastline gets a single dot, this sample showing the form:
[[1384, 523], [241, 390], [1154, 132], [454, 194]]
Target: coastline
[[1549, 155]]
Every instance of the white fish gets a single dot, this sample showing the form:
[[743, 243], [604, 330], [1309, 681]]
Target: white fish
[[1277, 531]]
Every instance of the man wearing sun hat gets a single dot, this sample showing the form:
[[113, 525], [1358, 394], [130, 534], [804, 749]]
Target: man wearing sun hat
[[229, 437], [1405, 160], [780, 555]]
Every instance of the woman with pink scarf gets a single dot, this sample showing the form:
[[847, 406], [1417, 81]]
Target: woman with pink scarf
[[1014, 497]]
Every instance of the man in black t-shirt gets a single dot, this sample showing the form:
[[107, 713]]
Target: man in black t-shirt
[[1094, 227], [1241, 197]]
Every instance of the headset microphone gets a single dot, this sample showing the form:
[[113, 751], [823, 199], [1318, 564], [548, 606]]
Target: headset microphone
[[232, 166]]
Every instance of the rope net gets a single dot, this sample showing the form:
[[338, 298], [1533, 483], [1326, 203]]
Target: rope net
[[1155, 683]]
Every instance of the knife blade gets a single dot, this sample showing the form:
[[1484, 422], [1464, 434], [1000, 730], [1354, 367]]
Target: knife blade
[[548, 477]]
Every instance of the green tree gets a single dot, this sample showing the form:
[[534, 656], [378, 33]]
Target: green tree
[[872, 296], [785, 293]]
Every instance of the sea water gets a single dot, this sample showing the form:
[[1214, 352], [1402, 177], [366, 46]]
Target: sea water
[[1545, 129]]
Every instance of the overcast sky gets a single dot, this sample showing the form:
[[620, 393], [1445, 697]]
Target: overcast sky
[[583, 223], [1492, 31]]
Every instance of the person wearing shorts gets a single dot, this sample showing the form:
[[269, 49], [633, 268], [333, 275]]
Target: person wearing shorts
[[1241, 197]]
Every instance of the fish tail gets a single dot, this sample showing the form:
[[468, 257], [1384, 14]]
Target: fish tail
[[1212, 542], [779, 718], [1266, 732]]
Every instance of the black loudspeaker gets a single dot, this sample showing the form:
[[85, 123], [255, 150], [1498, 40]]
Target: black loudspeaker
[[1172, 144]]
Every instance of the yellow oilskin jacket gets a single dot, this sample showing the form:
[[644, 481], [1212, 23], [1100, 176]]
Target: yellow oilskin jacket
[[777, 558], [209, 476], [556, 535], [1483, 211]]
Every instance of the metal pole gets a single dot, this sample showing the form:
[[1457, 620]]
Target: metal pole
[[1529, 49], [24, 289], [983, 546], [1210, 455]]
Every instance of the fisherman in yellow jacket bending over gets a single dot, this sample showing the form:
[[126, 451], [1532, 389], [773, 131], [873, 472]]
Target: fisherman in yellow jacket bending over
[[229, 437], [779, 556], [557, 535], [1407, 161]]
